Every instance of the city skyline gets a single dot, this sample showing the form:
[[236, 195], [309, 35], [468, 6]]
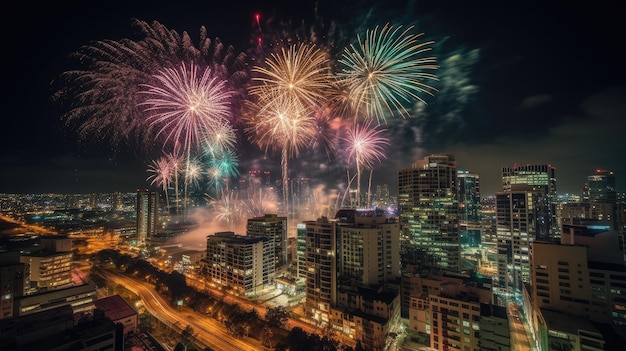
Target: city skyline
[[512, 91]]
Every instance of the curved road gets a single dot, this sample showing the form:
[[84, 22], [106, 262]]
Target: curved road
[[207, 331], [248, 305]]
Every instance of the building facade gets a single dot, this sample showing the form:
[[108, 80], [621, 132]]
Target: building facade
[[429, 211], [321, 269], [470, 209], [273, 227], [48, 266], [369, 247], [241, 263], [147, 215], [11, 282], [540, 179], [583, 276], [515, 231]]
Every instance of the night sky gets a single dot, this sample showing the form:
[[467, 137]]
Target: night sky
[[535, 82]]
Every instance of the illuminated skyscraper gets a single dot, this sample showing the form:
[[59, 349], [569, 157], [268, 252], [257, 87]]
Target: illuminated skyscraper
[[301, 250], [429, 211], [600, 198], [147, 215], [368, 247], [470, 214], [515, 231], [321, 267], [602, 187], [382, 195], [542, 180], [349, 262]]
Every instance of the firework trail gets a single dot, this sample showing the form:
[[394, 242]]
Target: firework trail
[[161, 174], [260, 203], [193, 173], [385, 71], [227, 208], [365, 145], [298, 97], [175, 164], [286, 127]]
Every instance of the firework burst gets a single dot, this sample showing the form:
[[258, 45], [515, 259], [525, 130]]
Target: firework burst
[[385, 71], [227, 208], [286, 126], [222, 167], [365, 145], [299, 73], [161, 174], [188, 108], [288, 88], [102, 97]]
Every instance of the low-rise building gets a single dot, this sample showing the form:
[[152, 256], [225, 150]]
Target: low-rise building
[[118, 310]]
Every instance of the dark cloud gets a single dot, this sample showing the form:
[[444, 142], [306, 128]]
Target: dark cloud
[[534, 101]]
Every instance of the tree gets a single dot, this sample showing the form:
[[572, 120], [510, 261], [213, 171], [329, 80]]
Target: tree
[[176, 285], [185, 336], [267, 336], [276, 316]]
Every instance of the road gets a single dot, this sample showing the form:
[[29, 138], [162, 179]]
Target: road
[[208, 331], [246, 304], [35, 228], [519, 337]]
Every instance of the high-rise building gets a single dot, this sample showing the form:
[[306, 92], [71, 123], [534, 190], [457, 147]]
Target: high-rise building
[[601, 187], [301, 250], [273, 227], [240, 262], [495, 333], [542, 180], [321, 267], [600, 196], [470, 214], [515, 231], [368, 248], [382, 196], [147, 215], [429, 211], [350, 262]]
